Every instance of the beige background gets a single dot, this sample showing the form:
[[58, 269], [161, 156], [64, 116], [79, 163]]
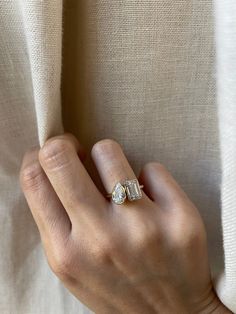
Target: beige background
[[142, 72]]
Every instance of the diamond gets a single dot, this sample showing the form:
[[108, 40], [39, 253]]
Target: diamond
[[133, 190], [118, 194]]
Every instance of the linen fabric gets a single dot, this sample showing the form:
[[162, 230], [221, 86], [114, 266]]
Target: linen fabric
[[225, 12], [30, 57], [157, 76]]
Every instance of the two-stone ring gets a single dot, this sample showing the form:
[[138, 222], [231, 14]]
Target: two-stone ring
[[128, 189]]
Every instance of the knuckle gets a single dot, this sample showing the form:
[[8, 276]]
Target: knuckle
[[31, 177], [101, 255], [103, 252], [104, 146], [62, 265], [148, 240], [147, 236], [189, 238], [54, 153]]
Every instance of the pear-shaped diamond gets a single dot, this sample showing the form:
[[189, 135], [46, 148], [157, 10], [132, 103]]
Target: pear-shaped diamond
[[118, 194]]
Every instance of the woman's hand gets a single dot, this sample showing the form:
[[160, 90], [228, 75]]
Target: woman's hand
[[146, 256]]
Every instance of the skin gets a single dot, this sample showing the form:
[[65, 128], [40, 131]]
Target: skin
[[146, 256]]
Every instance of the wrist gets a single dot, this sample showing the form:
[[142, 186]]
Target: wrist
[[214, 307], [221, 309], [209, 305]]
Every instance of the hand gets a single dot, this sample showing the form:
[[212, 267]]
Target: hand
[[146, 256]]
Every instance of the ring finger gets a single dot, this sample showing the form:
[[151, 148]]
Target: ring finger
[[112, 165]]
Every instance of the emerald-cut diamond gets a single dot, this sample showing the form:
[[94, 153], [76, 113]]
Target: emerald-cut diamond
[[133, 190], [118, 194]]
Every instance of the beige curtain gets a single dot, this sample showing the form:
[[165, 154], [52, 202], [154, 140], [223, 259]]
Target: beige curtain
[[157, 76]]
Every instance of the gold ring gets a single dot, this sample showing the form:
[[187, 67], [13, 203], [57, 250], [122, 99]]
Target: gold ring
[[129, 189]]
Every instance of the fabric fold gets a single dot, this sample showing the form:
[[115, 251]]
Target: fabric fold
[[135, 56], [43, 30], [225, 18], [30, 112]]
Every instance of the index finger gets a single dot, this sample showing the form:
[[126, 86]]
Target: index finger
[[68, 176]]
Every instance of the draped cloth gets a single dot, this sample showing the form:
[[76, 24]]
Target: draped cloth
[[225, 12], [157, 76]]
